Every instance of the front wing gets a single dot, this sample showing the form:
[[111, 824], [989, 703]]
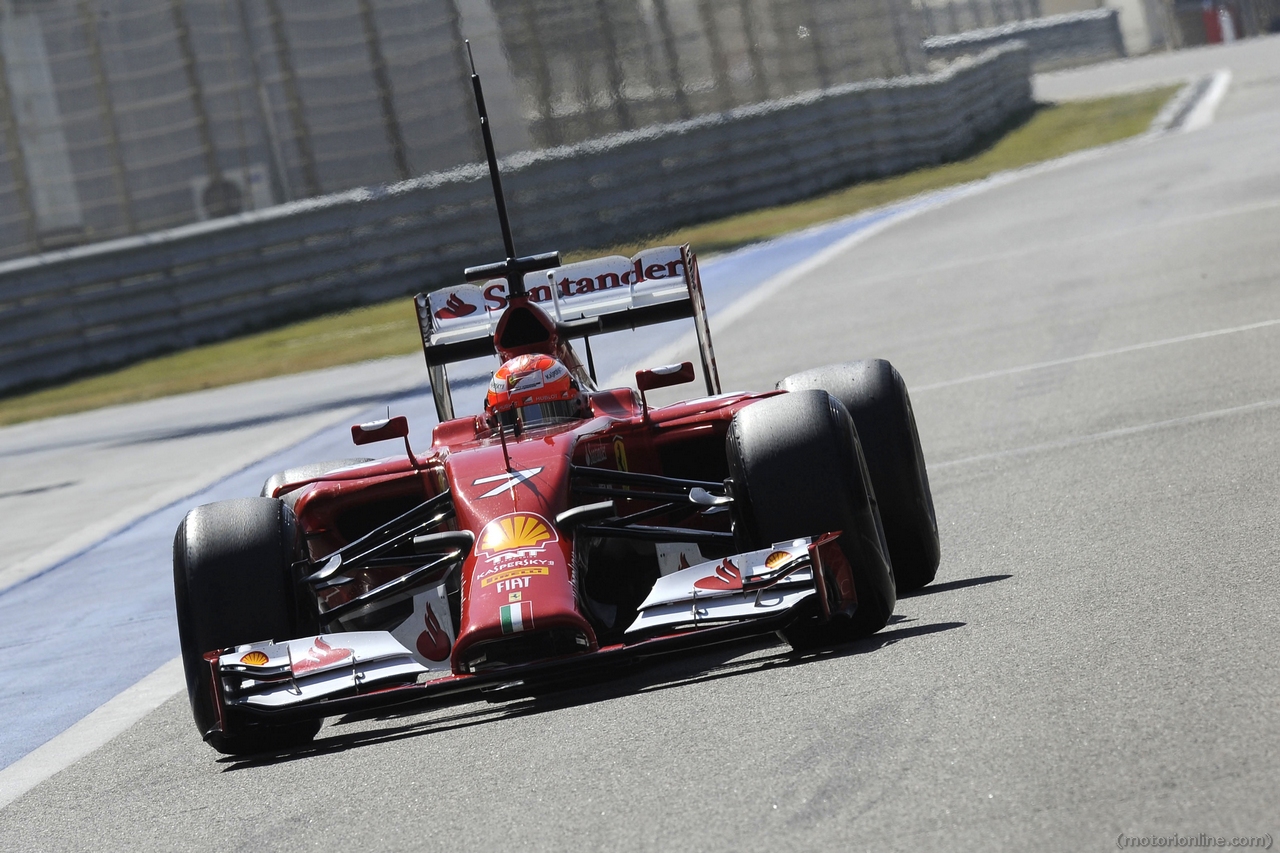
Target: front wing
[[319, 676]]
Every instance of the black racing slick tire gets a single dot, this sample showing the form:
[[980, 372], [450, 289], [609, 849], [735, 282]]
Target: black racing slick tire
[[232, 583], [305, 472], [876, 397], [796, 470]]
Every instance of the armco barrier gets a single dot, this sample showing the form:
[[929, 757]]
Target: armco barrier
[[93, 307], [1056, 41]]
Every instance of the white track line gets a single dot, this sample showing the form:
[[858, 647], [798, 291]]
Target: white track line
[[1202, 113], [93, 731], [1040, 365], [1109, 434]]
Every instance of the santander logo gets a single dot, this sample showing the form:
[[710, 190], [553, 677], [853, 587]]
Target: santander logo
[[454, 308], [433, 643], [727, 577], [468, 304], [591, 277]]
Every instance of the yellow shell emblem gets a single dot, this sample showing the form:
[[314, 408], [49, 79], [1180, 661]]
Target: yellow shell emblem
[[777, 558], [255, 658], [515, 531]]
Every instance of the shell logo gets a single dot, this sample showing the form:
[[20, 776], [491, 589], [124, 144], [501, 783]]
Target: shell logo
[[777, 558], [522, 530], [255, 658]]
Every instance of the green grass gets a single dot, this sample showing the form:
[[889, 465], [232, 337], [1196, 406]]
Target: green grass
[[390, 328]]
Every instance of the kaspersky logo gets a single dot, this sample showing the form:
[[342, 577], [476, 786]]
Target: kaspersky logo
[[521, 534]]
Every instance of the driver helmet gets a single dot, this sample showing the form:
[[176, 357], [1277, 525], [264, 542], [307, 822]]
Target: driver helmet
[[534, 389]]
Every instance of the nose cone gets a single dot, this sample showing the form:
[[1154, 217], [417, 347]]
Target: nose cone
[[518, 598]]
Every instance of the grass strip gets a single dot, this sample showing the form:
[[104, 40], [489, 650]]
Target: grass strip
[[390, 328]]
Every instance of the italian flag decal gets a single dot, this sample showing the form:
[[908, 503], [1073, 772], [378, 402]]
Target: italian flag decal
[[516, 617]]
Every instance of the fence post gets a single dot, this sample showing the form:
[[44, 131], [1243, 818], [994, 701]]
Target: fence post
[[977, 14], [719, 64], [549, 130], [119, 172], [18, 165], [891, 10], [269, 132], [390, 123], [819, 61], [293, 98], [754, 59], [613, 63], [673, 62], [188, 53], [462, 77]]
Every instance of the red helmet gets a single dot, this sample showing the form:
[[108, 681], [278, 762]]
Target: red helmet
[[534, 388]]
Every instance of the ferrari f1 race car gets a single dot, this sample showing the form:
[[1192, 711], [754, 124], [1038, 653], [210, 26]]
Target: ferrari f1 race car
[[561, 533]]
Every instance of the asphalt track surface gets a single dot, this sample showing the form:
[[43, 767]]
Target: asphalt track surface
[[1094, 357]]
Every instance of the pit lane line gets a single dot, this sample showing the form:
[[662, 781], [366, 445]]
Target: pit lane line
[[769, 266], [114, 717], [1120, 432], [1089, 356], [1202, 113]]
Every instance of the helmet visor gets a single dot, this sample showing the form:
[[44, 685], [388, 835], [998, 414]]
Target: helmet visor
[[546, 413]]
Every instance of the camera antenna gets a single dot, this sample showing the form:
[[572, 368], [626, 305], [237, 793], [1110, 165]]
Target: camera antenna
[[513, 268]]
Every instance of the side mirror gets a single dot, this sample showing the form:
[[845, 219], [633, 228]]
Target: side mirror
[[665, 376], [397, 427], [661, 377]]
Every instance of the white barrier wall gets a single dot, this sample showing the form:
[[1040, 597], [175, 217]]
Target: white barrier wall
[[1058, 41]]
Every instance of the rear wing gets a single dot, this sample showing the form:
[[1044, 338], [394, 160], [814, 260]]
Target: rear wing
[[583, 299]]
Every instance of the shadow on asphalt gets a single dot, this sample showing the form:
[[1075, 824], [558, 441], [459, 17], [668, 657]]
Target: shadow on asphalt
[[952, 585], [701, 667], [261, 420]]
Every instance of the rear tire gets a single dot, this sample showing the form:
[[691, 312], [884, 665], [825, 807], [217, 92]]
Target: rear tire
[[876, 397], [232, 583], [797, 470]]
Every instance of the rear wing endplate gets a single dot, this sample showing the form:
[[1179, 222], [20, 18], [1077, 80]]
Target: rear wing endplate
[[584, 299]]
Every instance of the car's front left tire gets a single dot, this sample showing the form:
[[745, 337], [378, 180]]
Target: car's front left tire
[[232, 585]]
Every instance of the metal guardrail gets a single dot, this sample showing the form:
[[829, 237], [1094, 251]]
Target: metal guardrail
[[1056, 41], [93, 307]]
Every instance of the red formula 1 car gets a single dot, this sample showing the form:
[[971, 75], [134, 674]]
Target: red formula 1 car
[[563, 531]]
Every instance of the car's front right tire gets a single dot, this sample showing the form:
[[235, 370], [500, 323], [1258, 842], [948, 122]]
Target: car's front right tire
[[876, 398], [797, 470]]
